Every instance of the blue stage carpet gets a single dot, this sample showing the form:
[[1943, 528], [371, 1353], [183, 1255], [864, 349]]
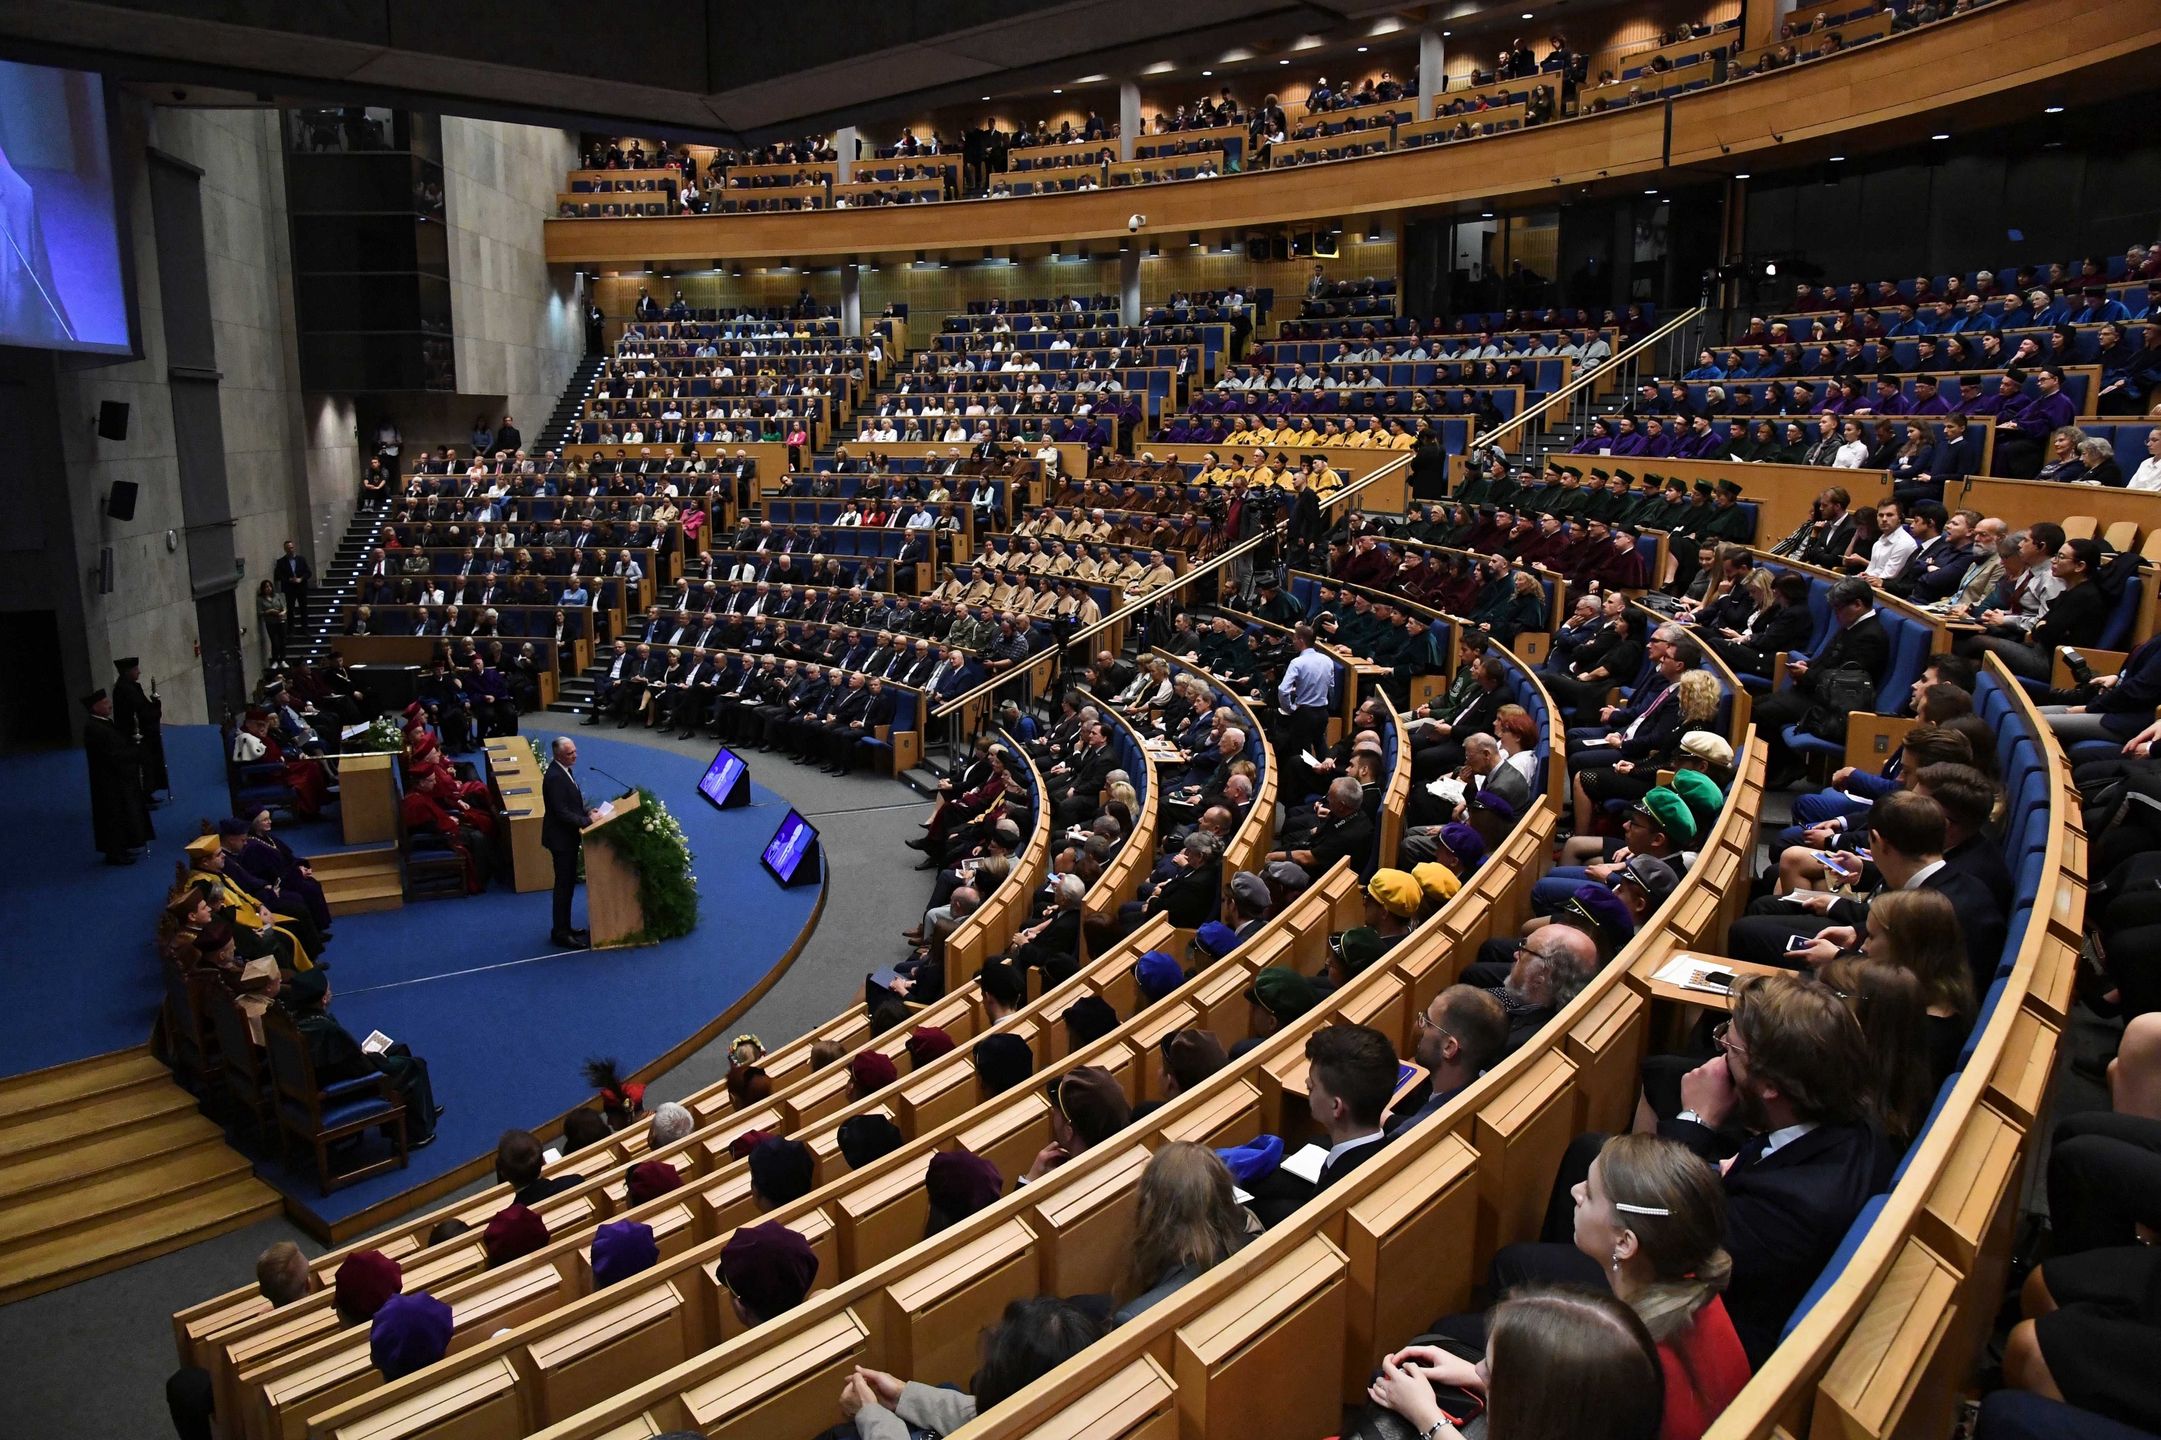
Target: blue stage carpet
[[504, 1020], [81, 976]]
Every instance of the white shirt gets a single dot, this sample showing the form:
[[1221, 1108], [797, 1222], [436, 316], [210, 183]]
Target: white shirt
[[1888, 556], [1524, 763], [2147, 476], [1850, 455], [1914, 883], [1352, 1144], [1783, 1136]]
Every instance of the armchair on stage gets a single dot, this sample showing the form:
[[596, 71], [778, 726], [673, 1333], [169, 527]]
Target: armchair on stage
[[612, 909]]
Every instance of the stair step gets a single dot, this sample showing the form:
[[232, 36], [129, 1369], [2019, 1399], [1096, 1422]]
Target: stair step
[[50, 1262], [343, 862], [127, 1192], [22, 1097], [112, 1114], [179, 1131]]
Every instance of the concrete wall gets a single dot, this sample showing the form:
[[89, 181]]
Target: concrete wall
[[518, 326], [151, 612]]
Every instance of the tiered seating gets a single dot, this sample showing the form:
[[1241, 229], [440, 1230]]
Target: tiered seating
[[916, 1306]]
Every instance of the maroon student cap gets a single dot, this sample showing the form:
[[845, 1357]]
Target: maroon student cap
[[960, 1183], [516, 1230], [366, 1280], [871, 1071], [768, 1267], [649, 1178], [926, 1043]]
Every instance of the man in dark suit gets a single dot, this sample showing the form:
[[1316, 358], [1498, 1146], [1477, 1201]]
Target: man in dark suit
[[1857, 641], [564, 816], [1831, 536], [293, 574], [1350, 1077], [1651, 719], [1345, 832], [1075, 798]]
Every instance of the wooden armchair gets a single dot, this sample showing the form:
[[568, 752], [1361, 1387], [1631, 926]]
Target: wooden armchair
[[322, 1116]]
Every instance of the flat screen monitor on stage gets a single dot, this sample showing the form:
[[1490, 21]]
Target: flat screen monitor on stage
[[791, 856], [726, 781]]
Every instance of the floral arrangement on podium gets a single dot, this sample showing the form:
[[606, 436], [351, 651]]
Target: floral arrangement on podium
[[654, 844]]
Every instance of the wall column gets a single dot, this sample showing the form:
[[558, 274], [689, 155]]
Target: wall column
[[851, 298], [1432, 72], [844, 154], [1129, 282], [1129, 117], [1760, 20]]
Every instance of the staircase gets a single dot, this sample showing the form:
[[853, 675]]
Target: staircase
[[310, 645], [107, 1162], [563, 420], [358, 880]]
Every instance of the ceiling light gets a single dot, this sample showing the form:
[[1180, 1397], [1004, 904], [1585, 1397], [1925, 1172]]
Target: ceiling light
[[1743, 175], [1057, 92], [1283, 62], [1208, 72], [1650, 192], [1363, 49], [2053, 110], [1939, 137], [1446, 33], [1836, 159], [1485, 214], [1526, 14], [986, 97]]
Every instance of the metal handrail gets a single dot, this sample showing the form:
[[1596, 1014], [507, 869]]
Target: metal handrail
[[1051, 659], [1580, 389]]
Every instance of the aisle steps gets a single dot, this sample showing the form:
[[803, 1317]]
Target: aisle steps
[[106, 1162]]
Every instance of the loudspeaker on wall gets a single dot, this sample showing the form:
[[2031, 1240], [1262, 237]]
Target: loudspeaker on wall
[[113, 420], [120, 505]]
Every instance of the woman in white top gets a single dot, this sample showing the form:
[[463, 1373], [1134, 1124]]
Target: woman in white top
[[1852, 448], [1150, 690], [2148, 474]]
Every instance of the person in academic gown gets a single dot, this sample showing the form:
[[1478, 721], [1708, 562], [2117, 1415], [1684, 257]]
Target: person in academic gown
[[140, 717], [336, 1055], [119, 813]]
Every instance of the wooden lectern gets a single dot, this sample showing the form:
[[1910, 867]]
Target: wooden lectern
[[612, 910]]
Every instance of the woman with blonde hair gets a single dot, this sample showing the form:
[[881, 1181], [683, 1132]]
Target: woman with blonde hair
[[1625, 782], [1651, 1214], [1189, 1220]]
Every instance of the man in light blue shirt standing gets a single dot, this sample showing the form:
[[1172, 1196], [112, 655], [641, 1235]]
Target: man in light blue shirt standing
[[1302, 697]]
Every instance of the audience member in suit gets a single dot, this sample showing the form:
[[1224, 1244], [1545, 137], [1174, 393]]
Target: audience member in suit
[[1437, 743], [2075, 617], [1462, 1031], [1650, 723], [1909, 835], [1858, 642], [1344, 831], [1754, 646], [1350, 1077]]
